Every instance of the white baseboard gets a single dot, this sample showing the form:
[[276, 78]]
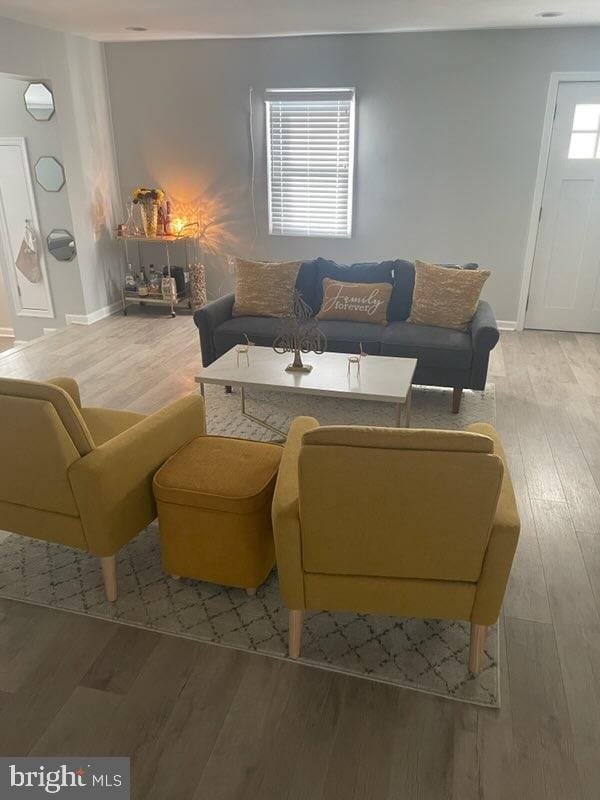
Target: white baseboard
[[8, 333], [95, 316], [506, 325]]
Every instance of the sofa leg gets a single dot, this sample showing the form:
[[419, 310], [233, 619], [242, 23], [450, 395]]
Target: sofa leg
[[228, 390], [109, 574], [456, 398], [296, 621], [478, 636], [251, 591]]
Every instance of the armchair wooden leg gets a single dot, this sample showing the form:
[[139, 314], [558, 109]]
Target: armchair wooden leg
[[478, 636], [296, 621], [109, 573], [456, 398]]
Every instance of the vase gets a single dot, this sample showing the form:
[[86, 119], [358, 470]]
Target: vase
[[198, 285], [149, 211]]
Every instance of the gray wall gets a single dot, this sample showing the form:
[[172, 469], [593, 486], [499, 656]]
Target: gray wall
[[449, 128], [94, 190], [42, 139]]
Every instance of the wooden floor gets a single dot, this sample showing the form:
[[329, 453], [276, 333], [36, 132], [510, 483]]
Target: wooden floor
[[206, 722]]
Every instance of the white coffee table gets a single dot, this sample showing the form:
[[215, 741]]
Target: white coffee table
[[381, 378]]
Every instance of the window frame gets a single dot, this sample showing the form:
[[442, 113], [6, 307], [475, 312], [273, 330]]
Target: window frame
[[584, 131], [269, 93]]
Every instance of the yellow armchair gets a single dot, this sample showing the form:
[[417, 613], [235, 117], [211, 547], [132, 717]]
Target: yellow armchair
[[82, 476], [417, 523]]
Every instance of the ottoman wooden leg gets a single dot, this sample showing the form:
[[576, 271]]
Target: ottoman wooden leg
[[251, 591]]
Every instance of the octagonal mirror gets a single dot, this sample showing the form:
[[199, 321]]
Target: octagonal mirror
[[61, 244], [39, 101], [49, 173]]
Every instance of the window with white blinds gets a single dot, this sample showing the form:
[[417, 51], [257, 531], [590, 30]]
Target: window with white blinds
[[310, 149]]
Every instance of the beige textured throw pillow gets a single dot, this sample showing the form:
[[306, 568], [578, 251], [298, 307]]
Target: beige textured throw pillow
[[446, 297], [355, 302], [264, 289]]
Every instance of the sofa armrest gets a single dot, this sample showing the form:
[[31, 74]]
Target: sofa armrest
[[112, 485], [484, 331], [502, 543], [207, 319], [69, 385], [286, 516]]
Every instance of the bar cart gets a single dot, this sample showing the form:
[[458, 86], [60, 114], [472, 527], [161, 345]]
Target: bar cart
[[181, 299]]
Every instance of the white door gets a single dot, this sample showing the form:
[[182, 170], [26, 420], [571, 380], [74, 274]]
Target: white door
[[17, 209], [565, 286]]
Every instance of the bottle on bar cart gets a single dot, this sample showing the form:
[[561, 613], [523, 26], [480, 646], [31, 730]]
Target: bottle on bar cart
[[142, 284], [130, 279], [154, 282]]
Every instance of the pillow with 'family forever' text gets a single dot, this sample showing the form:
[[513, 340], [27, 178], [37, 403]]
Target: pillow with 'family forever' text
[[355, 302]]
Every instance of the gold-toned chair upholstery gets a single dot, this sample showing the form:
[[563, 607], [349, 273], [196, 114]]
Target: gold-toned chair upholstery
[[83, 476], [396, 521], [214, 510]]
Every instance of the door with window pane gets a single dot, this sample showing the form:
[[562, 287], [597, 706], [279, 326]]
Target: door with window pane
[[565, 286]]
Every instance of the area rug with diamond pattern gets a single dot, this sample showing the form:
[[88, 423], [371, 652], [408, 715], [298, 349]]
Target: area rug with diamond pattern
[[424, 655]]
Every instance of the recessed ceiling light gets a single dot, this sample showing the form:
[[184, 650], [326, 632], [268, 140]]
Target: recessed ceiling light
[[548, 14], [135, 28]]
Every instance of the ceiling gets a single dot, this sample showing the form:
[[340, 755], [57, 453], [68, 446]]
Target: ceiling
[[107, 20]]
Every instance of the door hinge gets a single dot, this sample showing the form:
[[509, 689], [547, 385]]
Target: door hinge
[[19, 290], [540, 215]]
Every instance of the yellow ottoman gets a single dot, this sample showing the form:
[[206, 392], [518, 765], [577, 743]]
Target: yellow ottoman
[[214, 509]]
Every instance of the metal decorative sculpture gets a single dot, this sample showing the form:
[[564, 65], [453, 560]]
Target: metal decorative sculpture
[[299, 333]]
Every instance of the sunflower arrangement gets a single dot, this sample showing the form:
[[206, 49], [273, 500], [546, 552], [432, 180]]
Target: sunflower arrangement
[[143, 195]]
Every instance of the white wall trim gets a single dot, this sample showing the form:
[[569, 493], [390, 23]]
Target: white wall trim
[[8, 333], [22, 344], [507, 325], [95, 316], [556, 78]]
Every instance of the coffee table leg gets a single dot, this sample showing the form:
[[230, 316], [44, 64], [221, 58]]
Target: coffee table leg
[[259, 421], [406, 405]]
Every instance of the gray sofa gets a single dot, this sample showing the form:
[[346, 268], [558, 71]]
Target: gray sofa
[[450, 358]]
